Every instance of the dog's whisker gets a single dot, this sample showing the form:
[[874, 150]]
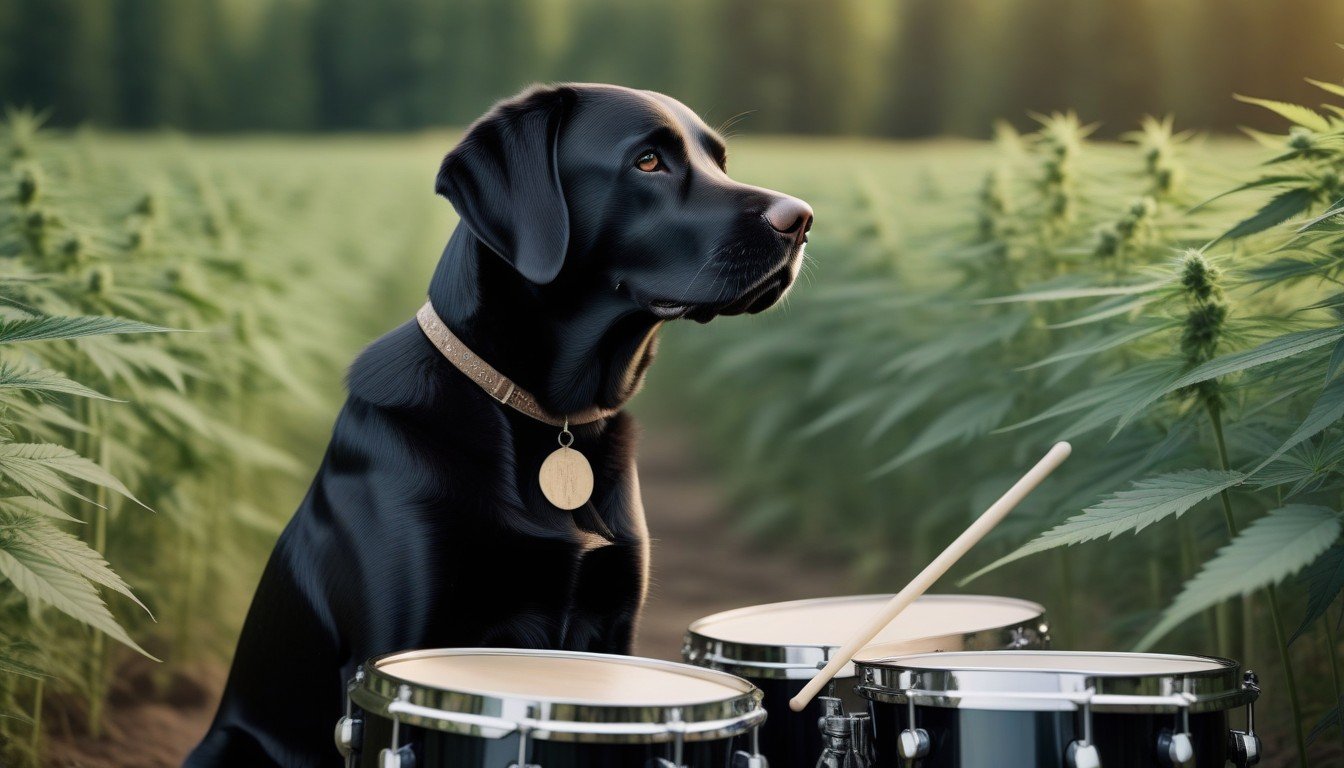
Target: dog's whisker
[[712, 256], [734, 120]]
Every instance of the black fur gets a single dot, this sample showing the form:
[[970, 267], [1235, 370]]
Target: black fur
[[425, 526]]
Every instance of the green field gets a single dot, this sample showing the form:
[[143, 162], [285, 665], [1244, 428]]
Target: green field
[[867, 420]]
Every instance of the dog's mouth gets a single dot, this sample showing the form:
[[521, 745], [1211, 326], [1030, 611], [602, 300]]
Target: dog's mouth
[[760, 296]]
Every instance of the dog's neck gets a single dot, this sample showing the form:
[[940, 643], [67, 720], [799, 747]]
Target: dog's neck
[[570, 346]]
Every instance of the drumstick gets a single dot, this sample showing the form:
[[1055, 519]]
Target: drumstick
[[934, 570]]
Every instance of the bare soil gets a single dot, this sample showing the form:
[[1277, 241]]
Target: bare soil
[[699, 567]]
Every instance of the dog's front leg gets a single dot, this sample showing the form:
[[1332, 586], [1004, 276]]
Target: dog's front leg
[[608, 598]]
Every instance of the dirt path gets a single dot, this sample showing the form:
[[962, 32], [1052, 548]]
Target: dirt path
[[699, 567]]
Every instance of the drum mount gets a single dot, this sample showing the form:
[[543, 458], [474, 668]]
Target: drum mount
[[350, 729], [845, 736], [1244, 746]]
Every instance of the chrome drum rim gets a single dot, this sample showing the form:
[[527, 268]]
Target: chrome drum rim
[[487, 715], [800, 661], [902, 679]]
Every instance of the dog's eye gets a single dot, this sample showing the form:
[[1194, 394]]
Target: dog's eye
[[648, 162]]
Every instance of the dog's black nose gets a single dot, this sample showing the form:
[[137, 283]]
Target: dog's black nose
[[789, 216]]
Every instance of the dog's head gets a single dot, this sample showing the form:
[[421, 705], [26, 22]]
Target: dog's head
[[623, 191]]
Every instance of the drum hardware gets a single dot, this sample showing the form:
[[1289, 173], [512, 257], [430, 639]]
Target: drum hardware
[[1176, 749], [677, 728], [1083, 753], [754, 758], [1244, 746], [914, 741], [506, 726], [397, 755], [844, 739], [845, 736], [524, 731], [1029, 637], [350, 729]]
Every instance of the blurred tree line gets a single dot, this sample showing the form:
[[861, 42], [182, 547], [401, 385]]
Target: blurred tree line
[[879, 67]]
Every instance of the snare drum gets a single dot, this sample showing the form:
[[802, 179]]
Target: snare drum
[[780, 646], [1057, 708], [490, 707]]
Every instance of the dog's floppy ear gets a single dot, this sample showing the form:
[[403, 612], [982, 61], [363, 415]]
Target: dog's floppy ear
[[504, 181]]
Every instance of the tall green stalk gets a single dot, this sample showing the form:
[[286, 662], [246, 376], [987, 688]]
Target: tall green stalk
[[1231, 625], [1189, 559], [1332, 653], [98, 655], [1065, 620], [1289, 677], [1271, 593], [35, 740]]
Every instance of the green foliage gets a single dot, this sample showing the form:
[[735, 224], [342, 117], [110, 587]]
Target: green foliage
[[1147, 501], [144, 469], [1324, 580], [52, 567], [1271, 549]]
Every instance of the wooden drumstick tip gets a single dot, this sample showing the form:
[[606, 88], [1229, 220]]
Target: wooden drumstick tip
[[935, 569]]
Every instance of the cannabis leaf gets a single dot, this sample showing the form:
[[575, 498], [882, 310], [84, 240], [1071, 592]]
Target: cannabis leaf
[[959, 423], [1270, 550], [53, 327], [1145, 502], [1324, 579]]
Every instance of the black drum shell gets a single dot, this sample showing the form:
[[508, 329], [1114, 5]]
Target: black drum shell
[[440, 749], [985, 738]]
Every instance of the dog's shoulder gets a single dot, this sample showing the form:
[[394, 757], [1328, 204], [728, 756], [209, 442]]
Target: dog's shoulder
[[399, 370]]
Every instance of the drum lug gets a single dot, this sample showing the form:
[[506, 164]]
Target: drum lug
[[1083, 753], [397, 758], [524, 735], [1243, 749], [754, 758], [678, 729], [349, 734], [398, 755], [1175, 750], [913, 743], [1244, 746], [747, 760]]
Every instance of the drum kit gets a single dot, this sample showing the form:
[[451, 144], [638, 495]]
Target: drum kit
[[911, 680]]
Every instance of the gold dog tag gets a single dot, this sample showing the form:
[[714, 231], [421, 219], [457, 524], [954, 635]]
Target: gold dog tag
[[566, 477]]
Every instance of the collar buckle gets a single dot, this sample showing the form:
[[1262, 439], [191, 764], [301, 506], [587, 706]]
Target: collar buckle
[[508, 393]]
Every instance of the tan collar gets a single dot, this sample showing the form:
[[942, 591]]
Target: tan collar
[[496, 384]]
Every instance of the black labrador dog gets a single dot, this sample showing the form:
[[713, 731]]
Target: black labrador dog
[[590, 215]]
